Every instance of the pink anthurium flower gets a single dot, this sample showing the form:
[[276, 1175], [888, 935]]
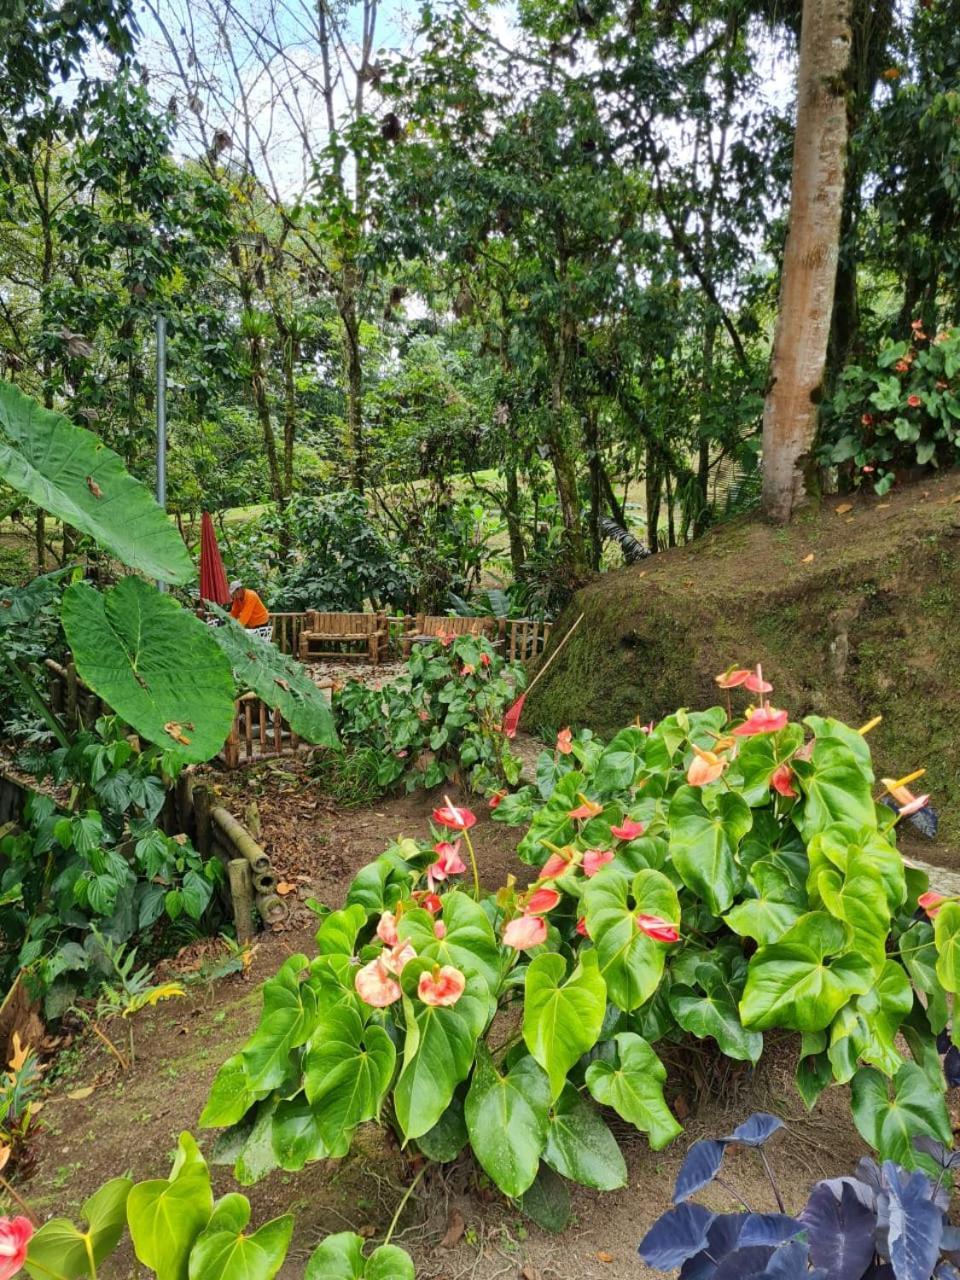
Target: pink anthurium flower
[[387, 929], [375, 986], [439, 929], [448, 863], [541, 901], [764, 719], [496, 799], [442, 987], [756, 683], [594, 859], [564, 742], [931, 901], [706, 767], [657, 928], [733, 678], [914, 402], [451, 815], [467, 669], [582, 927], [782, 782], [557, 864], [395, 958], [913, 805], [524, 932], [484, 659], [15, 1235], [586, 808], [628, 829]]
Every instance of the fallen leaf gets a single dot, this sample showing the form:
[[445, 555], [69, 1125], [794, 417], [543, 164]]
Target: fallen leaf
[[603, 1256], [529, 1273], [20, 1053], [77, 1095], [94, 487], [181, 838], [283, 888], [681, 1107], [284, 684], [849, 520], [808, 559], [175, 731], [883, 505], [455, 1229], [366, 1231], [5, 1154], [843, 508]]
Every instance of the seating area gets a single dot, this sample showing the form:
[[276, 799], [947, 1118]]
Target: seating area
[[428, 626], [366, 633]]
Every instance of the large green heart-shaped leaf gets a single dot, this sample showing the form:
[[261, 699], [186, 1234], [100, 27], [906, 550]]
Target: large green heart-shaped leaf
[[634, 1088], [156, 665], [438, 1053], [884, 1008], [230, 1096], [580, 1146], [62, 1251], [346, 1072], [620, 762], [562, 1016], [836, 845], [802, 981], [919, 953], [166, 1215], [946, 933], [703, 845], [859, 898], [836, 788], [890, 1124], [296, 1138], [469, 943], [778, 905], [224, 1252], [337, 934], [550, 824], [714, 1013], [288, 1019], [759, 758], [67, 471], [631, 964], [22, 604], [507, 1120], [340, 1257], [279, 681]]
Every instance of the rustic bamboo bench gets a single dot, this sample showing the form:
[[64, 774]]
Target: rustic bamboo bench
[[321, 630], [427, 626]]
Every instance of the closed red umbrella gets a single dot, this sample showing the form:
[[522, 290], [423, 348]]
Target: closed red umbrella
[[213, 577]]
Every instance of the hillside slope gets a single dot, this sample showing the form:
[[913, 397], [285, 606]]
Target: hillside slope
[[853, 613]]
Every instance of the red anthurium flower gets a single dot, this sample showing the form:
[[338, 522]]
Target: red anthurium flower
[[443, 986], [594, 859], [902, 366], [375, 986], [541, 901], [734, 678], [387, 929], [446, 639], [557, 864], [484, 659], [394, 958], [657, 928], [439, 929], [867, 419], [582, 927], [706, 767], [765, 719], [429, 901], [496, 798], [930, 902], [782, 781], [564, 742], [15, 1235], [524, 932], [756, 683], [451, 815], [586, 808], [914, 402], [628, 830]]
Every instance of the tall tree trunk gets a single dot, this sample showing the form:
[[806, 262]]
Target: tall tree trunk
[[596, 487], [511, 511], [791, 410], [353, 377], [565, 474], [653, 484]]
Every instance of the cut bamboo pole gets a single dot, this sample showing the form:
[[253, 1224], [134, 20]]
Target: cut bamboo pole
[[241, 896]]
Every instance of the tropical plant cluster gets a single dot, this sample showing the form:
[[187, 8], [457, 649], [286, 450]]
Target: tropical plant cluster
[[716, 875]]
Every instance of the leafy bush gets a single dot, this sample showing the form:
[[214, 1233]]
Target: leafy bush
[[883, 1222], [714, 876], [902, 412], [177, 1229], [442, 717]]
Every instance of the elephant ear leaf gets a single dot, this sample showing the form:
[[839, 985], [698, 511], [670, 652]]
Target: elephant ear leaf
[[340, 1257], [67, 471], [280, 682], [61, 1250], [156, 665]]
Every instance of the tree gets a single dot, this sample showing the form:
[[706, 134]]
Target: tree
[[791, 411]]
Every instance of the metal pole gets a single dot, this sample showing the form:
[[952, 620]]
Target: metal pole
[[162, 417]]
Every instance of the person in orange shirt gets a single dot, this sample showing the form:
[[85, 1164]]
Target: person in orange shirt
[[250, 611]]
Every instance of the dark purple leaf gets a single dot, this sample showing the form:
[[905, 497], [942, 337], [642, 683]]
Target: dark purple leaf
[[943, 1041], [950, 1240], [755, 1130], [722, 1237], [951, 1067], [868, 1171], [742, 1262], [946, 1271], [676, 1236], [910, 1223], [866, 1192], [789, 1262], [938, 1153], [768, 1229], [841, 1232], [701, 1166], [880, 1271]]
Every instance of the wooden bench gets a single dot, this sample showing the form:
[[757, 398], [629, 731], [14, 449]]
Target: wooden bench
[[321, 630], [427, 626]]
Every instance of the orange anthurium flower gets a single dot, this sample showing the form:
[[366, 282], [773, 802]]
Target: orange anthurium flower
[[733, 678], [387, 929], [594, 859], [541, 901], [765, 719], [557, 864], [442, 987], [930, 902], [705, 768], [450, 815], [657, 928], [628, 829], [586, 808], [375, 986], [394, 958], [564, 742], [525, 932], [782, 781]]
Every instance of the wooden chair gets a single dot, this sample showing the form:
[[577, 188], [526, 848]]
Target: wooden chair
[[321, 630], [427, 626]]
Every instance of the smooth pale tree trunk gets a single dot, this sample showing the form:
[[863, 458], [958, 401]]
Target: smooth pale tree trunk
[[792, 406]]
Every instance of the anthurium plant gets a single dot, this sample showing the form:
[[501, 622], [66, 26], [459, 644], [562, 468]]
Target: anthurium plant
[[718, 875]]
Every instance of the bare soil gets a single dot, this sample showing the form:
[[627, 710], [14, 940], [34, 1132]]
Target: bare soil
[[455, 1225]]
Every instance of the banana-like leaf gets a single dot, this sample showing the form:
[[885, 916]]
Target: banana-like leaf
[[156, 665], [67, 471]]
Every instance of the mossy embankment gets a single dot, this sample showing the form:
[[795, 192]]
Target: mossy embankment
[[854, 611]]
